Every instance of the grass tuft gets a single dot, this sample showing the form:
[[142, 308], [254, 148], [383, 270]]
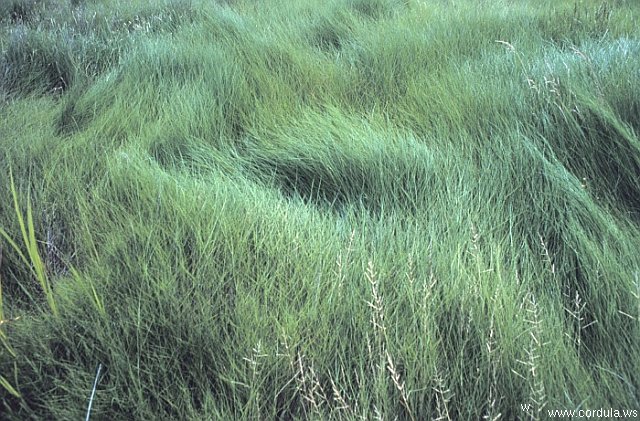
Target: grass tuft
[[298, 209]]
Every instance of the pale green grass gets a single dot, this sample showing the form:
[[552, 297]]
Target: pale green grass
[[319, 210]]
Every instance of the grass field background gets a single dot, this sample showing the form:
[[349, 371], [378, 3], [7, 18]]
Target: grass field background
[[342, 209]]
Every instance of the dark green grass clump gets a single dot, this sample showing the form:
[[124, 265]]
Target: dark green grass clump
[[319, 210]]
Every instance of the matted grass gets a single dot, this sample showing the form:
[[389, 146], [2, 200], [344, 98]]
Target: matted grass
[[299, 209]]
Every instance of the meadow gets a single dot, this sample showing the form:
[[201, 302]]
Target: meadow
[[304, 209]]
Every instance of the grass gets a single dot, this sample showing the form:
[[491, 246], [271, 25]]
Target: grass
[[32, 258], [319, 210]]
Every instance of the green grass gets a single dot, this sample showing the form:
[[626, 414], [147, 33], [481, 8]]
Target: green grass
[[339, 209]]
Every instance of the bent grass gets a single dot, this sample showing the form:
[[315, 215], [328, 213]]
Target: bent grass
[[226, 171], [32, 258]]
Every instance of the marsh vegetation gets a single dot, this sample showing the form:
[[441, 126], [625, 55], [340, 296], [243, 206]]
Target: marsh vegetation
[[343, 209]]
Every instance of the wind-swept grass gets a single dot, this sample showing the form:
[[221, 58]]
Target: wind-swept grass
[[319, 210]]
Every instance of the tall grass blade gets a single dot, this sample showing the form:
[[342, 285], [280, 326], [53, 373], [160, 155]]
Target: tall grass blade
[[32, 258]]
